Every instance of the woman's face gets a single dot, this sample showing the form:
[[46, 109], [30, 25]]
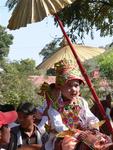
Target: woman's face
[[71, 89]]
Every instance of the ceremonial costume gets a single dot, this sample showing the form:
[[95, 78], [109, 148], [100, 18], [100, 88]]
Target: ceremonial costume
[[71, 112]]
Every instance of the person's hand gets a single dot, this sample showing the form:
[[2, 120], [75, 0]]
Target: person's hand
[[30, 147], [87, 137], [69, 143], [45, 113], [91, 140], [101, 145], [4, 135]]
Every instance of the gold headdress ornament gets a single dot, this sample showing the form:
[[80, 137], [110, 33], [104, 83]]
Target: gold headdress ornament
[[43, 89], [65, 71], [45, 92]]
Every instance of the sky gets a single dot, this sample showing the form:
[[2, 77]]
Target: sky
[[28, 41]]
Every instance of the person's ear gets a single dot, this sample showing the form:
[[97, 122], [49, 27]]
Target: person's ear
[[34, 117]]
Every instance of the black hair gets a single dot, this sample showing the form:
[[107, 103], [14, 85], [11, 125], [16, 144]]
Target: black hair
[[52, 86], [7, 107], [26, 108]]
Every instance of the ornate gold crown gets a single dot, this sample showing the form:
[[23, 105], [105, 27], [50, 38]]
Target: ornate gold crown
[[63, 66], [65, 71], [43, 89]]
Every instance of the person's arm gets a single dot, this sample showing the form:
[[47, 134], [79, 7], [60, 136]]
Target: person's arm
[[91, 119], [67, 143], [41, 125], [31, 147], [56, 120], [4, 135]]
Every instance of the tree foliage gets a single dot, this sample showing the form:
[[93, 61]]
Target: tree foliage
[[11, 3], [25, 67], [84, 15], [105, 63], [14, 84], [5, 42], [50, 48]]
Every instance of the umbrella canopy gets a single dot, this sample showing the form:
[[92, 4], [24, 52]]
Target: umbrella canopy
[[84, 53], [29, 11]]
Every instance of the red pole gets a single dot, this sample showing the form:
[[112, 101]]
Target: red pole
[[88, 81]]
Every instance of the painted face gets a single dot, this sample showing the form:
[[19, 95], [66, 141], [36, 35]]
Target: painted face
[[71, 89]]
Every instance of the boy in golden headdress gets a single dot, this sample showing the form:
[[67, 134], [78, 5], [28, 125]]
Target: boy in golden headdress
[[72, 111]]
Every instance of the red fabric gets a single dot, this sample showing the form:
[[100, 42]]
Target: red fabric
[[7, 117], [76, 78]]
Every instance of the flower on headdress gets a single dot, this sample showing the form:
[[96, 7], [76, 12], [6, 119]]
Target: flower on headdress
[[65, 71]]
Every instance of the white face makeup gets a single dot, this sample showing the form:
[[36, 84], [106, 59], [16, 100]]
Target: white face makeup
[[71, 89]]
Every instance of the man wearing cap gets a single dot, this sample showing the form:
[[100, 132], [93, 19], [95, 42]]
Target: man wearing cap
[[5, 119], [27, 133]]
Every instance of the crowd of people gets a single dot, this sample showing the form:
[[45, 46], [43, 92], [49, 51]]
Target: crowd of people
[[64, 122]]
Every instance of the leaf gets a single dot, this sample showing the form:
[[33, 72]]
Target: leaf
[[64, 133], [98, 124], [48, 128]]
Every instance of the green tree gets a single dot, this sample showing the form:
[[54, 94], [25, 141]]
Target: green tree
[[84, 15], [50, 48], [26, 67], [11, 3], [5, 42], [105, 63], [14, 84]]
